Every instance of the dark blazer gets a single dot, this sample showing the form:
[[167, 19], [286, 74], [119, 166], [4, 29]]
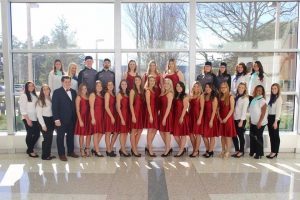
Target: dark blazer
[[62, 107]]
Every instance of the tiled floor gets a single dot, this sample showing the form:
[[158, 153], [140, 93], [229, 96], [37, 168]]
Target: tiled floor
[[118, 178]]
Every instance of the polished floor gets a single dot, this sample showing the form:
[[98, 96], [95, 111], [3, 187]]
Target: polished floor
[[159, 178]]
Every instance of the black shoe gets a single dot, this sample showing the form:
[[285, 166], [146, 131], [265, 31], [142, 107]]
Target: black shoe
[[135, 155], [196, 155], [147, 152], [234, 155], [209, 154], [206, 152], [97, 153], [179, 155], [48, 158], [111, 154], [271, 157], [122, 154], [257, 157], [251, 154], [169, 153], [240, 154], [33, 155]]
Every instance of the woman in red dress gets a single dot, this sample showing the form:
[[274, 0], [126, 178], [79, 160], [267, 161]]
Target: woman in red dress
[[136, 102], [173, 73], [151, 121], [96, 101], [123, 122], [210, 122], [109, 119], [152, 70], [225, 113], [196, 118], [131, 74], [181, 118], [166, 116], [82, 127]]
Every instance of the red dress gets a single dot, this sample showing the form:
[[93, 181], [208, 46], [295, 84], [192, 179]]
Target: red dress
[[194, 113], [108, 126], [138, 106], [174, 77], [85, 117], [125, 114], [180, 129], [157, 88], [98, 112], [154, 124], [169, 121], [207, 131], [130, 81], [227, 129]]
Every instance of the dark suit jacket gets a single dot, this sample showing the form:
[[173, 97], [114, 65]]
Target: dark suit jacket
[[63, 107]]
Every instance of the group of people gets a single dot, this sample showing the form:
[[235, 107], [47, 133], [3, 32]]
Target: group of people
[[87, 105]]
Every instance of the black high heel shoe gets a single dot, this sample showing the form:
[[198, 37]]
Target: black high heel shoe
[[122, 154], [239, 155], [251, 154], [147, 152], [271, 157], [179, 155], [135, 155], [97, 154], [196, 155], [209, 154], [33, 155], [169, 153], [206, 152]]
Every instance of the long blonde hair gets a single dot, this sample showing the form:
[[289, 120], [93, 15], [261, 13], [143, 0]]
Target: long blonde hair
[[147, 82], [69, 69], [149, 64], [168, 66], [169, 81], [193, 91], [225, 95]]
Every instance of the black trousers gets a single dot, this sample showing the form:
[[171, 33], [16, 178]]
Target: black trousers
[[65, 128], [274, 134], [239, 140], [32, 136], [48, 136], [256, 140]]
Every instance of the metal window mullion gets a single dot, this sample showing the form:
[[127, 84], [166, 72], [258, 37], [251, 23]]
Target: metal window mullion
[[249, 50], [7, 65], [192, 42]]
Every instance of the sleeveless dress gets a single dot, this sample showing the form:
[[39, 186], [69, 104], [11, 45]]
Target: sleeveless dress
[[207, 131], [194, 113], [154, 124], [180, 129], [86, 118], [227, 129], [130, 81], [174, 77], [108, 126], [99, 114], [125, 114], [138, 106], [169, 121]]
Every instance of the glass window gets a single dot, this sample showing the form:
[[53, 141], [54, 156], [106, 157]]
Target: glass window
[[279, 67], [63, 25], [155, 25], [247, 25]]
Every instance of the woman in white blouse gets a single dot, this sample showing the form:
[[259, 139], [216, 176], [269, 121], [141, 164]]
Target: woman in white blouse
[[46, 122], [27, 104], [54, 78], [72, 72], [240, 76], [274, 111], [258, 77], [258, 121], [240, 111]]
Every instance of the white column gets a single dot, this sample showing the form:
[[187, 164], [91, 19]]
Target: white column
[[117, 42], [192, 42]]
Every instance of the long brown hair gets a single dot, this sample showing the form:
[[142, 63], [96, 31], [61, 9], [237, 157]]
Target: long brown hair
[[80, 90], [42, 97], [54, 68], [27, 91], [149, 64], [128, 68], [135, 89], [121, 90]]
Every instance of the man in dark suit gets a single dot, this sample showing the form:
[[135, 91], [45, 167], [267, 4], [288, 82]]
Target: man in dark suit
[[64, 115]]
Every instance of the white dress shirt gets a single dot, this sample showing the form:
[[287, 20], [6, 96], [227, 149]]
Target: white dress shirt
[[235, 83], [241, 106], [275, 109], [45, 111], [255, 111], [28, 108], [255, 81], [54, 81]]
